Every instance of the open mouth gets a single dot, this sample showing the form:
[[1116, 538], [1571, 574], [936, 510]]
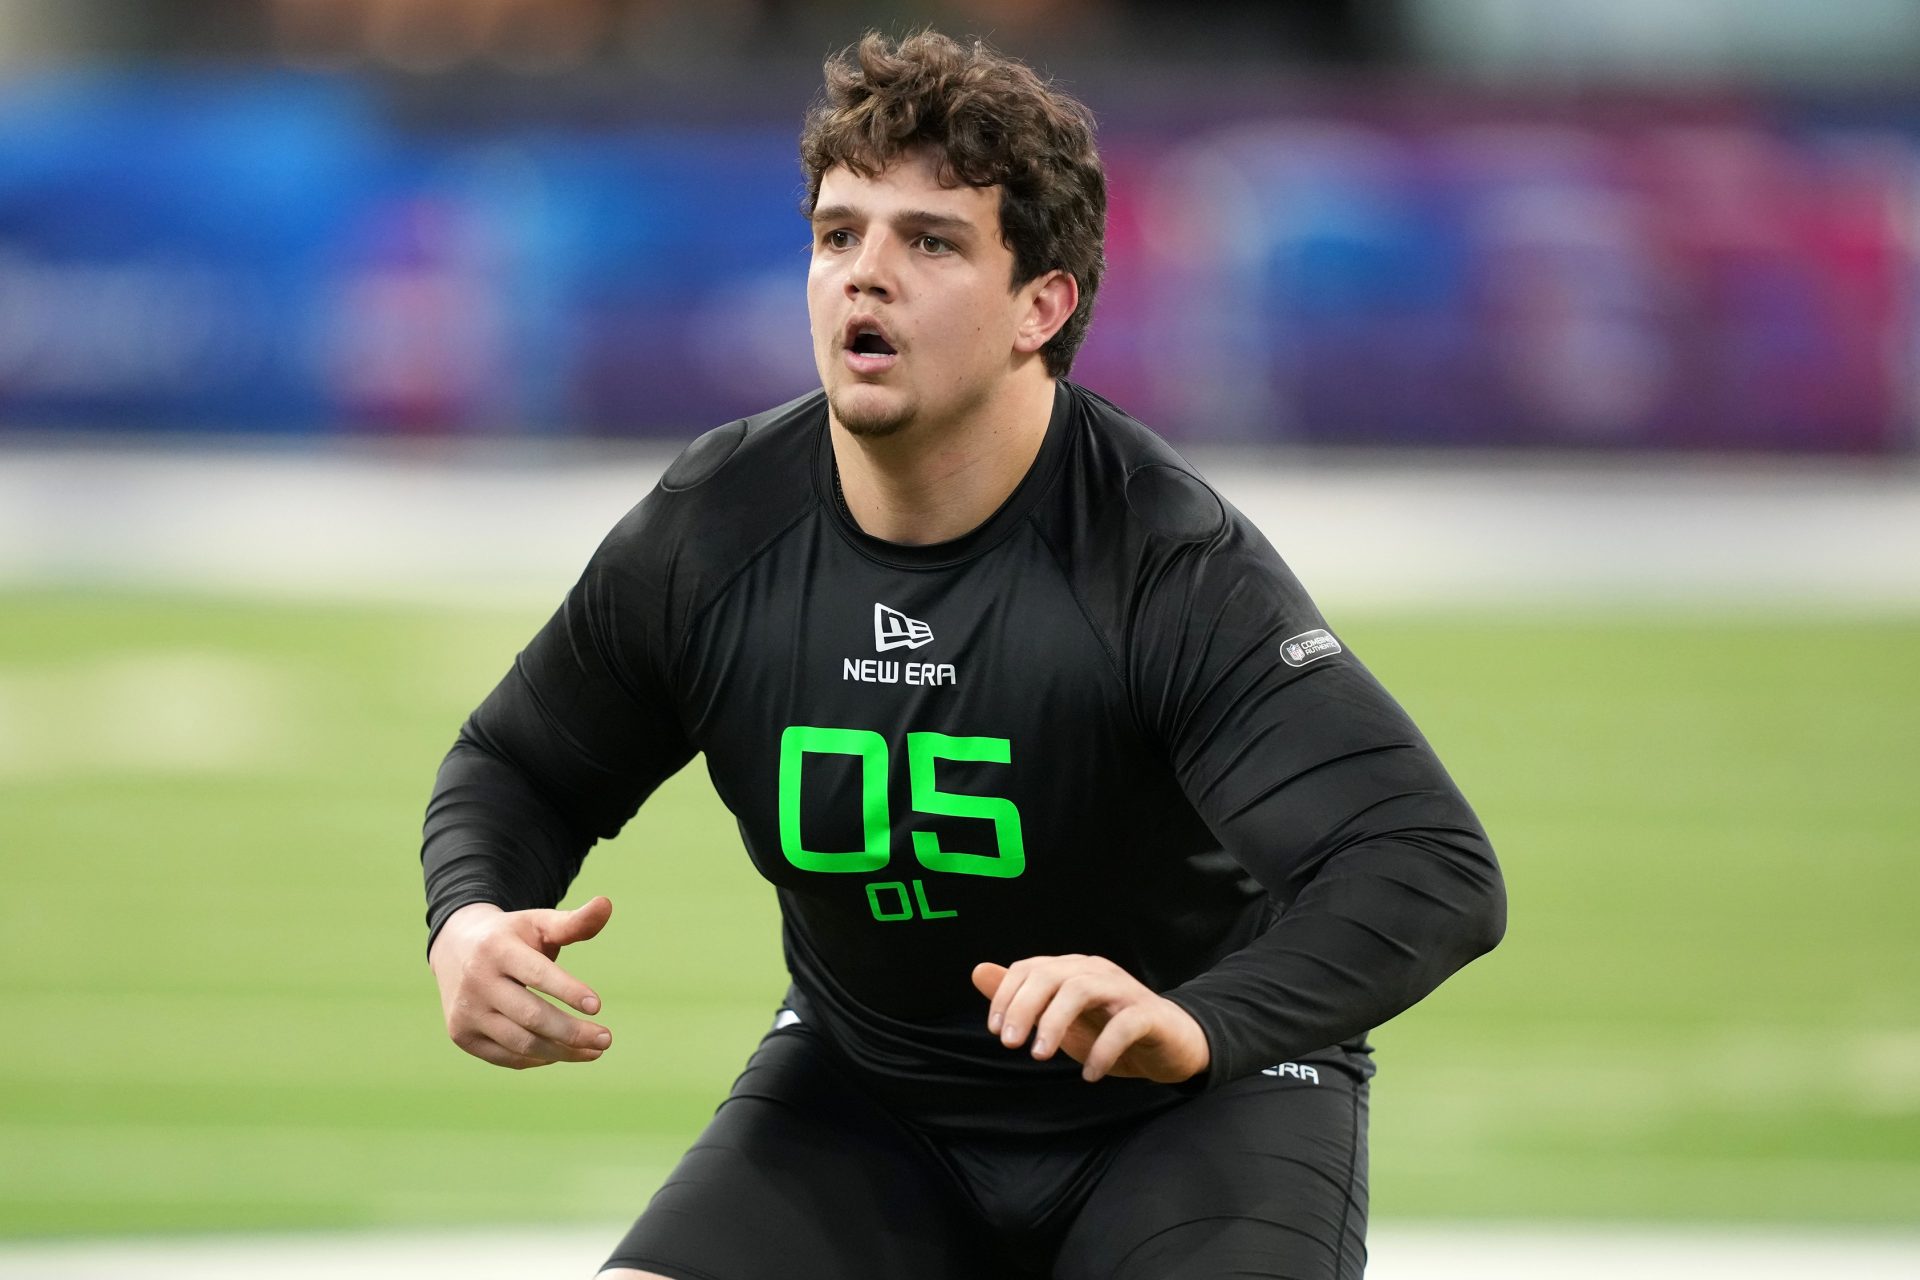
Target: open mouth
[[866, 336]]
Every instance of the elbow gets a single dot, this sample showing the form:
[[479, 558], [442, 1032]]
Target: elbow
[[1491, 920], [1487, 917]]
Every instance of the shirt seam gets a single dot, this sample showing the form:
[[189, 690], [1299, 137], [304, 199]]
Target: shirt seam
[[695, 616], [1114, 665]]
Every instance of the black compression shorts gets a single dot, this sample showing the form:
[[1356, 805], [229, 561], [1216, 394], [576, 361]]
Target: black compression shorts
[[802, 1176]]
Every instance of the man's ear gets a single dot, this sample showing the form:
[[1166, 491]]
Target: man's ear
[[1051, 300]]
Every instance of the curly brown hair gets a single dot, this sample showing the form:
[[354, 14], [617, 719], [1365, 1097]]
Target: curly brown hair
[[991, 122]]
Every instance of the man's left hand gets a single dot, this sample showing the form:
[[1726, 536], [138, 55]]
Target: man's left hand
[[1099, 1013]]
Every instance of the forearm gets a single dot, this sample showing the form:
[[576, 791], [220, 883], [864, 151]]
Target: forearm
[[491, 837], [1380, 926]]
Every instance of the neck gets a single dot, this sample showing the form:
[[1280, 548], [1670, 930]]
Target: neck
[[928, 483]]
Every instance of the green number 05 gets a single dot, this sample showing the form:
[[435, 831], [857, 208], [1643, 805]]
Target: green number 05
[[1009, 858]]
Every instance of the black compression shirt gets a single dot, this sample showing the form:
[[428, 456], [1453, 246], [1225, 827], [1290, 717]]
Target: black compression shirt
[[1107, 721]]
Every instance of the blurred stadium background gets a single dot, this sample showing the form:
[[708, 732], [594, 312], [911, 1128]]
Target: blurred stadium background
[[1570, 351]]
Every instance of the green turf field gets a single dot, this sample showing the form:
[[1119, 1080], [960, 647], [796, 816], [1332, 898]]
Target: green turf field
[[1707, 1007]]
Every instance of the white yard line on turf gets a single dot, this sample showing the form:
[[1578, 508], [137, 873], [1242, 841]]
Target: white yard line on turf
[[1403, 1253]]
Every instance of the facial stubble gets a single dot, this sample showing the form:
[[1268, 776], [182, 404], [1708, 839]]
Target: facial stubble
[[868, 422]]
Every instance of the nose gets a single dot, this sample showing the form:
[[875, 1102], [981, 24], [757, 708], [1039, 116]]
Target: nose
[[872, 271]]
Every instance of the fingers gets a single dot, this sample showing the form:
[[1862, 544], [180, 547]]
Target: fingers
[[488, 1051], [1008, 987], [562, 928], [1029, 989], [1090, 996], [525, 972], [530, 1012], [1123, 1031], [531, 969], [522, 1041], [506, 1024], [1105, 1018]]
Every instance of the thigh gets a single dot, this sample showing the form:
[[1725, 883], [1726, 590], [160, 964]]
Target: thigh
[[801, 1176], [1264, 1177]]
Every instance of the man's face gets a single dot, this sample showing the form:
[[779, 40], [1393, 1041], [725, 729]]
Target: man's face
[[914, 317]]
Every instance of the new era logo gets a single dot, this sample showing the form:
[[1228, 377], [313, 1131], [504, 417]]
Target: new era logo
[[893, 629], [1287, 1070]]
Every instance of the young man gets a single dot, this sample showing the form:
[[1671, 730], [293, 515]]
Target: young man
[[1097, 853]]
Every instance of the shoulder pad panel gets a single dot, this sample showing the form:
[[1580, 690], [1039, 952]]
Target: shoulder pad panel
[[705, 456], [1174, 503]]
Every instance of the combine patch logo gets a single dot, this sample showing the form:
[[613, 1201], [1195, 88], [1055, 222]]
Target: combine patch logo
[[893, 629], [1308, 646]]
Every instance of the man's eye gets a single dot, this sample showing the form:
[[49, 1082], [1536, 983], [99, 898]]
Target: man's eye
[[934, 244], [839, 238]]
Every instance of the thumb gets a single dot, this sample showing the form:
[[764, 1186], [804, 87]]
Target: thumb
[[987, 978], [578, 925]]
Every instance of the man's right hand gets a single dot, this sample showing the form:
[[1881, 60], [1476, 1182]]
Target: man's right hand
[[489, 963]]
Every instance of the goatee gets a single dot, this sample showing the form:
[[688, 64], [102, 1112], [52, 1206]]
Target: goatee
[[867, 421]]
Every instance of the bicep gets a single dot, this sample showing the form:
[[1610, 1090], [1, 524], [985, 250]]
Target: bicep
[[1294, 772], [1284, 743], [583, 714]]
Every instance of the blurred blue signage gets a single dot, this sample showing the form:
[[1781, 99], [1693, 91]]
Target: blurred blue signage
[[273, 252]]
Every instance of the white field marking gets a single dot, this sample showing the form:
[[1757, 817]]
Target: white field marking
[[1884, 1067], [1534, 1252], [1398, 1253], [164, 712], [513, 527]]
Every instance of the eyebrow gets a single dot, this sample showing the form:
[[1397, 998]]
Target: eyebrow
[[920, 219]]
